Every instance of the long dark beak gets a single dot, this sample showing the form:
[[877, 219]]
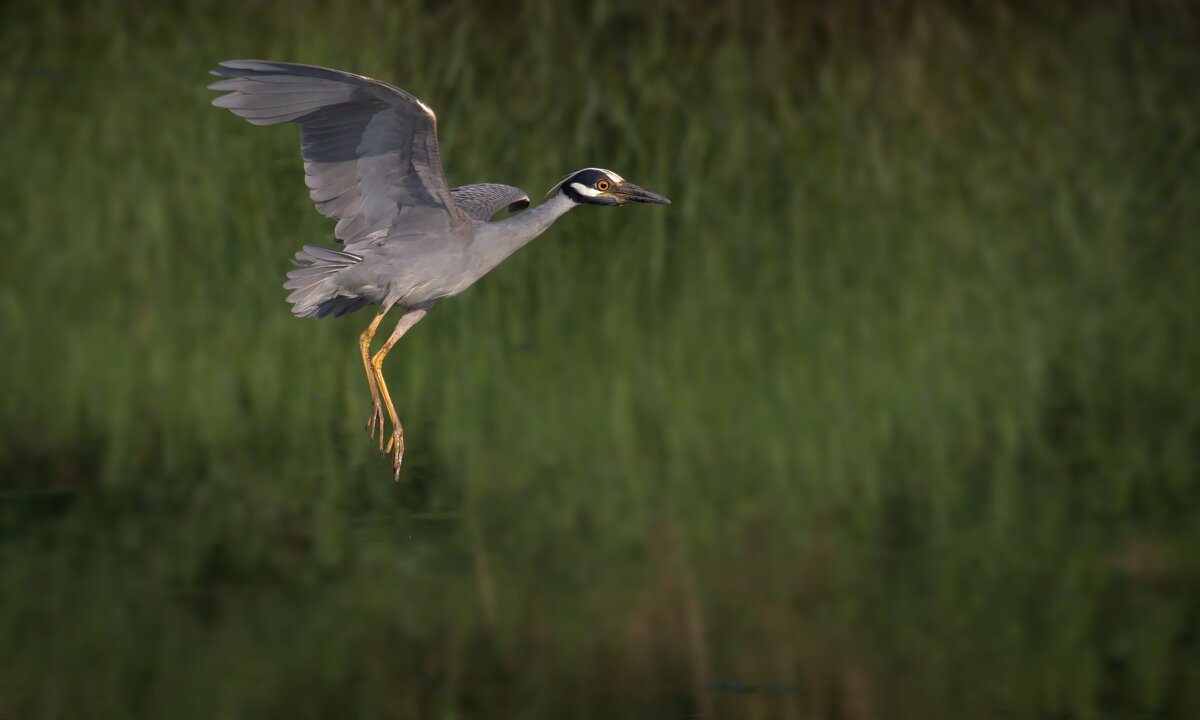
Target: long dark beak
[[628, 192]]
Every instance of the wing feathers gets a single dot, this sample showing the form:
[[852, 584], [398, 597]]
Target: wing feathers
[[483, 200], [370, 149]]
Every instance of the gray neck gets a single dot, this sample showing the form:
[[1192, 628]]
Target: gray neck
[[495, 241]]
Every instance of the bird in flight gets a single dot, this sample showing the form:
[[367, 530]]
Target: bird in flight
[[371, 163]]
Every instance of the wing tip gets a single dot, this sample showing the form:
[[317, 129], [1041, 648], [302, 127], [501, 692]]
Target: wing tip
[[248, 68], [228, 68]]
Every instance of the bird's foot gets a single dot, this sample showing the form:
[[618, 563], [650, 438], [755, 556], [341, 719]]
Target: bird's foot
[[375, 423], [395, 447]]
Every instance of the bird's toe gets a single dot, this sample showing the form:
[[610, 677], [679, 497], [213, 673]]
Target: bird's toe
[[395, 447], [375, 423]]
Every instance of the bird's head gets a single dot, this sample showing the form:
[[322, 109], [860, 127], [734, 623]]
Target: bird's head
[[596, 186]]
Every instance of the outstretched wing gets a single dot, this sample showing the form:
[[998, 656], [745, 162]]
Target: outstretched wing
[[483, 200], [370, 149]]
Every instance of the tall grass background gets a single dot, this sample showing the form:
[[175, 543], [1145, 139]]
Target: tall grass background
[[892, 414]]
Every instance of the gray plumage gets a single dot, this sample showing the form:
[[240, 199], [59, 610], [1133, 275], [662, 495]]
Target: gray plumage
[[371, 163]]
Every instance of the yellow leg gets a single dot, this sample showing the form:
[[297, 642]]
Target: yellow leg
[[395, 445], [375, 421]]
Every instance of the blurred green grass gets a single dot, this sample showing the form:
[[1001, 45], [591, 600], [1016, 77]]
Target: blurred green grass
[[891, 414]]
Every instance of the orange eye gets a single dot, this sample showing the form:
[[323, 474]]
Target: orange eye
[[601, 185]]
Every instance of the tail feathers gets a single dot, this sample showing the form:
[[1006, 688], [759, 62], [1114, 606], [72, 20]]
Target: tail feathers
[[316, 295]]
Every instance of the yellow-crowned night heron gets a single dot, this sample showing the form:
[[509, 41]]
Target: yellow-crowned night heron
[[371, 163]]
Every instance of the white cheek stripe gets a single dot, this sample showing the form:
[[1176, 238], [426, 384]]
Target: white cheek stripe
[[585, 190]]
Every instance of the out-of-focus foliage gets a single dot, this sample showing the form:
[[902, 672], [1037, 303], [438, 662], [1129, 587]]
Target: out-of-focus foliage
[[892, 414]]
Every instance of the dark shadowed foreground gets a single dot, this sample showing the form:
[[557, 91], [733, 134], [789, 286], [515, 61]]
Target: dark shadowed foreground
[[892, 414]]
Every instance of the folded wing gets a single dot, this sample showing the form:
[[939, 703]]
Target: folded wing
[[483, 200]]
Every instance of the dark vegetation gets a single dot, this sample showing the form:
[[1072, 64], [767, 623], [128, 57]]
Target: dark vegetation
[[893, 414]]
